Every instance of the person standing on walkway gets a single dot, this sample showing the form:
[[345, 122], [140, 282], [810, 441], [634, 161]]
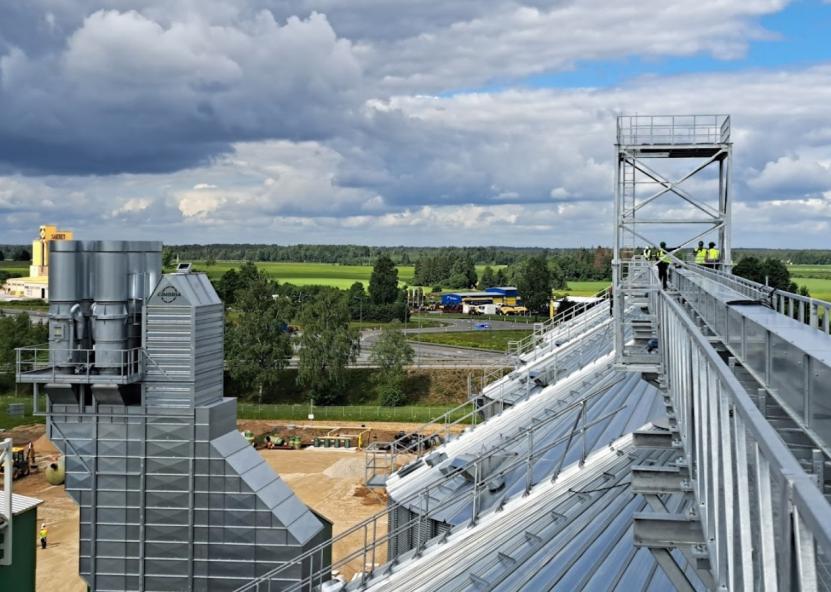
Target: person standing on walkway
[[664, 259], [43, 535], [701, 254], [713, 256]]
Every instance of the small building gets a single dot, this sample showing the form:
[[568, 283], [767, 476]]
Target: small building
[[505, 295], [20, 575], [456, 299]]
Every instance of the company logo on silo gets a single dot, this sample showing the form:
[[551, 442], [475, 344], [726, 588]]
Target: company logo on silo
[[169, 294]]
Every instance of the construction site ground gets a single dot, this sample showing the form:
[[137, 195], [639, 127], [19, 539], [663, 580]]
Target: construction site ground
[[330, 481]]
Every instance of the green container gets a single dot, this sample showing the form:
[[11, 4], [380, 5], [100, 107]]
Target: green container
[[317, 442]]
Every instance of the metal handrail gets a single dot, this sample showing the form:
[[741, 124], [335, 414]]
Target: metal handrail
[[726, 437], [803, 308], [580, 426], [443, 423], [673, 129], [47, 364], [526, 344]]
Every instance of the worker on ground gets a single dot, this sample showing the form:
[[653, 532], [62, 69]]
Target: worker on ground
[[647, 253], [664, 259], [43, 534], [713, 256], [701, 254]]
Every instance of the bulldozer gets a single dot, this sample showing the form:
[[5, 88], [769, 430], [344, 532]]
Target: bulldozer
[[23, 461]]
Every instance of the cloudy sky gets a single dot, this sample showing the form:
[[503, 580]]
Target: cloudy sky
[[418, 122]]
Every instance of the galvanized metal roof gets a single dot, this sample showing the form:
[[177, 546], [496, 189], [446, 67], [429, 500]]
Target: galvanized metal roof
[[574, 533], [615, 403], [185, 289], [20, 504], [554, 360]]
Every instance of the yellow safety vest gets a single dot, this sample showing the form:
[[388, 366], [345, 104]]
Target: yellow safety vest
[[713, 255], [43, 533], [647, 254], [664, 256], [701, 256]]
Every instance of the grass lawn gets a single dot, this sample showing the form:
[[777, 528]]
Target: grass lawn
[[485, 339], [819, 288], [413, 323], [25, 304], [410, 413], [584, 288], [8, 422]]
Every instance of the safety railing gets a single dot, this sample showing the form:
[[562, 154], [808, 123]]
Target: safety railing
[[375, 530], [44, 364], [382, 458], [544, 332], [812, 311], [766, 524], [672, 129]]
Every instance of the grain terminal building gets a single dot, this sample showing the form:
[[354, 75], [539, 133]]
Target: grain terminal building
[[37, 284]]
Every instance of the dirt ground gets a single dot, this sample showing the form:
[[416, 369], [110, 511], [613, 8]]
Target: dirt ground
[[329, 481]]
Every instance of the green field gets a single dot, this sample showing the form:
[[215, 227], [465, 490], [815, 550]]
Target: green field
[[8, 422], [304, 274], [486, 339], [584, 288], [410, 413], [817, 278], [17, 268]]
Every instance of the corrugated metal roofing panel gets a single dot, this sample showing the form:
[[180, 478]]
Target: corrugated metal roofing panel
[[571, 534], [20, 504]]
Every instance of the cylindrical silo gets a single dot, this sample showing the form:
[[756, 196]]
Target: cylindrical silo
[[153, 265], [67, 289], [110, 292], [137, 282]]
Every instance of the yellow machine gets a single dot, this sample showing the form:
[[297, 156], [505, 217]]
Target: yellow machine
[[23, 461]]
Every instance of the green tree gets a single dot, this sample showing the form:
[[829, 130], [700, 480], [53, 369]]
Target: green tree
[[558, 276], [167, 257], [357, 300], [327, 346], [488, 279], [534, 284], [21, 254], [777, 274], [227, 287], [383, 283], [210, 261], [750, 268], [258, 345], [771, 271], [500, 279], [391, 354]]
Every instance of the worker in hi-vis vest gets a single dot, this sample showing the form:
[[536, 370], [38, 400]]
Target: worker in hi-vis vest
[[701, 254], [43, 533], [647, 253], [713, 256], [664, 259]]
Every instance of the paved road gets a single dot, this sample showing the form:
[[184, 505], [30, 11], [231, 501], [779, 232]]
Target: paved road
[[455, 325]]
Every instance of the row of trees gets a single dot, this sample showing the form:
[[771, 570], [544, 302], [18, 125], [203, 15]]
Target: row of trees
[[449, 270], [16, 331], [259, 344], [578, 263], [770, 271]]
